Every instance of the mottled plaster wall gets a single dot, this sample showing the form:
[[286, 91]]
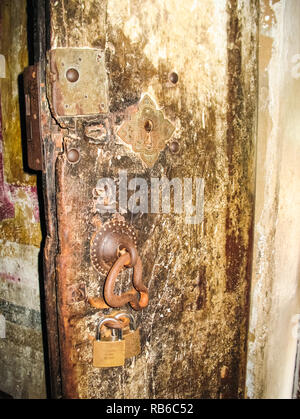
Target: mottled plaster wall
[[275, 299], [21, 351]]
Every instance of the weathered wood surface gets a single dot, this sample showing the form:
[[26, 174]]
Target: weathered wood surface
[[194, 331]]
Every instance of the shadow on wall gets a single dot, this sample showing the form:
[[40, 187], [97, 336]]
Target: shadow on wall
[[31, 36], [39, 190], [5, 395], [33, 54]]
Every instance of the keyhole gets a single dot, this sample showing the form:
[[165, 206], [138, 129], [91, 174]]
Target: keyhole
[[148, 125]]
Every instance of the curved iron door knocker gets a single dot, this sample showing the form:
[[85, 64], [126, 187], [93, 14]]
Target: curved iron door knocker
[[113, 248], [137, 297]]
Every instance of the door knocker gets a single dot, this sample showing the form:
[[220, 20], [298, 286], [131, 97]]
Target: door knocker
[[113, 248]]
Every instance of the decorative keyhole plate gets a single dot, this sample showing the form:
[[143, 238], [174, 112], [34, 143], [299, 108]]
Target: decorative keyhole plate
[[147, 131]]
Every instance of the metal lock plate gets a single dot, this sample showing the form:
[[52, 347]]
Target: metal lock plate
[[32, 110], [147, 131], [78, 82], [107, 240]]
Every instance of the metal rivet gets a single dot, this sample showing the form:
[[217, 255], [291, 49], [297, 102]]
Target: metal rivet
[[174, 147], [173, 77], [73, 155], [72, 75]]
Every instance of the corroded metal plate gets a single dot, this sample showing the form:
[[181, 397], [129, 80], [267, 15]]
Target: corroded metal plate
[[78, 82], [147, 131], [32, 107], [112, 232]]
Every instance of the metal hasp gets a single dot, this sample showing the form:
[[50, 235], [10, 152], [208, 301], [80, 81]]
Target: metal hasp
[[32, 110], [78, 82], [147, 131]]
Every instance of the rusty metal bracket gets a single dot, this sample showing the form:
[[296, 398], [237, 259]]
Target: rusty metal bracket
[[76, 293], [77, 82], [32, 110]]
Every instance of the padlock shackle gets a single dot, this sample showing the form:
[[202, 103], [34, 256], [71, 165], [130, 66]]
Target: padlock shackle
[[105, 320], [132, 324]]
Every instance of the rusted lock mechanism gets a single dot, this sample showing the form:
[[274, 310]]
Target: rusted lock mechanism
[[113, 248]]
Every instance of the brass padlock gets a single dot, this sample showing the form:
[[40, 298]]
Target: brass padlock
[[108, 353], [132, 338]]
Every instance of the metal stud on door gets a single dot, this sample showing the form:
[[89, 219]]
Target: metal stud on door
[[132, 338], [109, 353]]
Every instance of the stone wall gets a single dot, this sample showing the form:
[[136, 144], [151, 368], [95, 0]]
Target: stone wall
[[275, 299], [21, 350]]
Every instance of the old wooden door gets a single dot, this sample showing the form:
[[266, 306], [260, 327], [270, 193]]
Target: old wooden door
[[140, 92]]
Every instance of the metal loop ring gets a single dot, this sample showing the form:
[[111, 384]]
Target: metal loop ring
[[137, 297], [132, 324], [114, 324]]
